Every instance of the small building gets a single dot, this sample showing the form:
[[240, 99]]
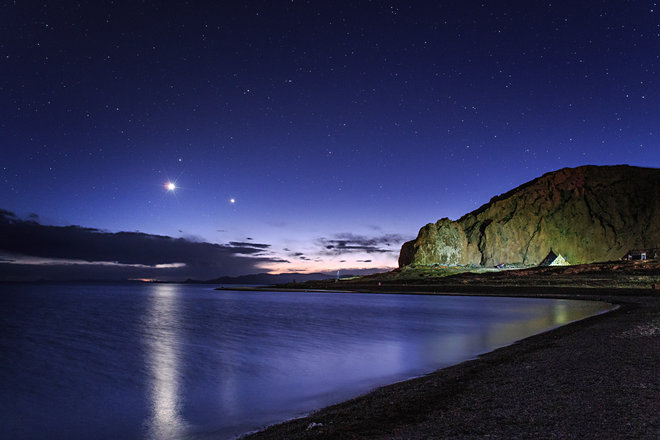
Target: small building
[[642, 254], [554, 260]]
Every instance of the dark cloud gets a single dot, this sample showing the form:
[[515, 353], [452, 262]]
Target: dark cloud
[[248, 248], [363, 261], [37, 250], [349, 243], [298, 255]]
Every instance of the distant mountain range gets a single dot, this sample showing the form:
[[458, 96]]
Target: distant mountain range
[[255, 279]]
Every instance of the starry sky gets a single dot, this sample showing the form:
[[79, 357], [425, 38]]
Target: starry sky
[[301, 135]]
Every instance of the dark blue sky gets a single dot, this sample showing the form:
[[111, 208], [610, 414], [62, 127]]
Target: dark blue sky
[[339, 128]]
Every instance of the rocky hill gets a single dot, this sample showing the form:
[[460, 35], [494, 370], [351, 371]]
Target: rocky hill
[[588, 214]]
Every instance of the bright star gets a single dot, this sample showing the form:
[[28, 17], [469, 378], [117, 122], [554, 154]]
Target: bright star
[[232, 200], [170, 186]]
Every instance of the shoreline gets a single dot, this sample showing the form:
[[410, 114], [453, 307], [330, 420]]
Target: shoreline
[[512, 392]]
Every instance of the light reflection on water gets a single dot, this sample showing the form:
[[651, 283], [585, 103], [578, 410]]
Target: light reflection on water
[[161, 339], [176, 361]]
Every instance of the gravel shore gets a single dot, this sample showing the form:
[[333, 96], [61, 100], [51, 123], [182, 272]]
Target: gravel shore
[[596, 378]]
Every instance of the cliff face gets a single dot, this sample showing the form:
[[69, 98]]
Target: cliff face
[[588, 214]]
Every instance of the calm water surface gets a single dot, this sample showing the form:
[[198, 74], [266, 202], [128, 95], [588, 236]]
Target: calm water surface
[[178, 361]]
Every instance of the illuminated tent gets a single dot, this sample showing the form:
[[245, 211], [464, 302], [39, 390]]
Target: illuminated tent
[[554, 260]]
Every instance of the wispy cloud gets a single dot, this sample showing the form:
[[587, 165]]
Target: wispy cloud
[[40, 261], [28, 248], [346, 243], [242, 247]]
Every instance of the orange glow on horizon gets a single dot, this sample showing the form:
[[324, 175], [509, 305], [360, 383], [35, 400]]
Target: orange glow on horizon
[[305, 267]]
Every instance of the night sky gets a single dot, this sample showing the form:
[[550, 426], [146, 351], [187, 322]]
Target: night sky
[[301, 136]]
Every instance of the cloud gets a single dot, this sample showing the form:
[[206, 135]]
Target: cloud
[[345, 243], [298, 255], [30, 249], [40, 261], [248, 248]]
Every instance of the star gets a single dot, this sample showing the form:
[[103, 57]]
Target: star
[[170, 186]]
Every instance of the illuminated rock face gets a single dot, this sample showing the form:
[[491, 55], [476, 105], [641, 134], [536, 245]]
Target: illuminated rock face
[[590, 213]]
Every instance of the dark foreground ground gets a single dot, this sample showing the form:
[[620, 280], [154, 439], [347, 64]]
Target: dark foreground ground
[[597, 378]]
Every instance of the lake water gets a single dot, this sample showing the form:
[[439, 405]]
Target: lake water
[[169, 361]]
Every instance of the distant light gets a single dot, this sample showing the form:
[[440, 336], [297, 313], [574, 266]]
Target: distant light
[[170, 186], [232, 200]]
